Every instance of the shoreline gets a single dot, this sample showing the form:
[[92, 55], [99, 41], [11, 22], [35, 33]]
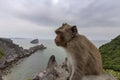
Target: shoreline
[[14, 54]]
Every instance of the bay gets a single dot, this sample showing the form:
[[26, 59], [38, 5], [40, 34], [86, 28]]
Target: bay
[[32, 65]]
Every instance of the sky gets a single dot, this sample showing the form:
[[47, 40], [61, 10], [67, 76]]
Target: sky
[[96, 19]]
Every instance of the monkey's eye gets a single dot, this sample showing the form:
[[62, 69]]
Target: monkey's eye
[[62, 38]]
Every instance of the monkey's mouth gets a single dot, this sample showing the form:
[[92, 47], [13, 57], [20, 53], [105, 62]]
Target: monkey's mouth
[[57, 43], [60, 44]]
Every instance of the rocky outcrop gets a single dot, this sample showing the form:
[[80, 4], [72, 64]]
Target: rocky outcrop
[[61, 72], [35, 41], [36, 48], [1, 76], [13, 52], [53, 71]]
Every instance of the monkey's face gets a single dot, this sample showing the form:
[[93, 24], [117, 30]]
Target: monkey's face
[[64, 34], [59, 40]]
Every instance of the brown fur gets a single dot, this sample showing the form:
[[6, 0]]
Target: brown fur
[[84, 58]]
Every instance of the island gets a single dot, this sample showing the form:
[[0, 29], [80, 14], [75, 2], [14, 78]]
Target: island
[[35, 41]]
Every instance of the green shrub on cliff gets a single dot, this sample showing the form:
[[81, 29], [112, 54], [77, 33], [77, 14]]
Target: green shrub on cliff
[[111, 54], [1, 53]]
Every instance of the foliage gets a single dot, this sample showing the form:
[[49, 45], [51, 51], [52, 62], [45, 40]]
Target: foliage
[[1, 53], [111, 56]]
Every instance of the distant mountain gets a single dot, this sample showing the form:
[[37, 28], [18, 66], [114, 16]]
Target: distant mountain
[[111, 54]]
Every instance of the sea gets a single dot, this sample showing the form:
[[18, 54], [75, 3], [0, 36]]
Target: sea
[[29, 67]]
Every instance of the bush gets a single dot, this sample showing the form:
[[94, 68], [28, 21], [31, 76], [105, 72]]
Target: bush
[[111, 54], [111, 57]]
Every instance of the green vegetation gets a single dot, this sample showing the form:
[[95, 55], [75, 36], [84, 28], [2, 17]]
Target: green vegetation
[[1, 53], [111, 56]]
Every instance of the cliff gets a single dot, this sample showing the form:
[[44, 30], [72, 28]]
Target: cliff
[[10, 53], [111, 54]]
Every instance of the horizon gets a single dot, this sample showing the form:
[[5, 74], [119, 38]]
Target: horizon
[[93, 39], [51, 38]]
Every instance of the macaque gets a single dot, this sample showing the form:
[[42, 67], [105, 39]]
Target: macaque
[[83, 57]]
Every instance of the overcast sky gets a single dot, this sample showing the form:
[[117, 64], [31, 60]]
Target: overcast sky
[[97, 19]]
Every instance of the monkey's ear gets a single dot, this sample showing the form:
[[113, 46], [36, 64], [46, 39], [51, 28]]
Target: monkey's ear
[[74, 29], [64, 24]]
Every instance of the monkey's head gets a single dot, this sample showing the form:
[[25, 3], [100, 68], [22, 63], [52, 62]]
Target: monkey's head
[[65, 33]]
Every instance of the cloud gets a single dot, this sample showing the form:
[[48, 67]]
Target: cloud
[[102, 13], [92, 15], [85, 13]]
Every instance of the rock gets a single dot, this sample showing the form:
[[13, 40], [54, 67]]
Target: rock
[[13, 53], [35, 48], [53, 71], [35, 41], [6, 39], [1, 77], [60, 72], [2, 66]]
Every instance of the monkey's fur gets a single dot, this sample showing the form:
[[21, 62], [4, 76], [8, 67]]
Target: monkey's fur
[[84, 58]]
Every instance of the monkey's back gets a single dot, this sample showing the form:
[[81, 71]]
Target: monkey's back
[[86, 56], [94, 58]]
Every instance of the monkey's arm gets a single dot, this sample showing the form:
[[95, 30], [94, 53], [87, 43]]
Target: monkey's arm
[[79, 68]]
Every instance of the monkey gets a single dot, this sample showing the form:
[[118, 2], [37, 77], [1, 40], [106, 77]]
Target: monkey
[[83, 56]]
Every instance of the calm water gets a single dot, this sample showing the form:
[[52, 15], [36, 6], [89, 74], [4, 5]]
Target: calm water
[[37, 62]]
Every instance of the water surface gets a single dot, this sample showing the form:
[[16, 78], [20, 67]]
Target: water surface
[[37, 62]]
